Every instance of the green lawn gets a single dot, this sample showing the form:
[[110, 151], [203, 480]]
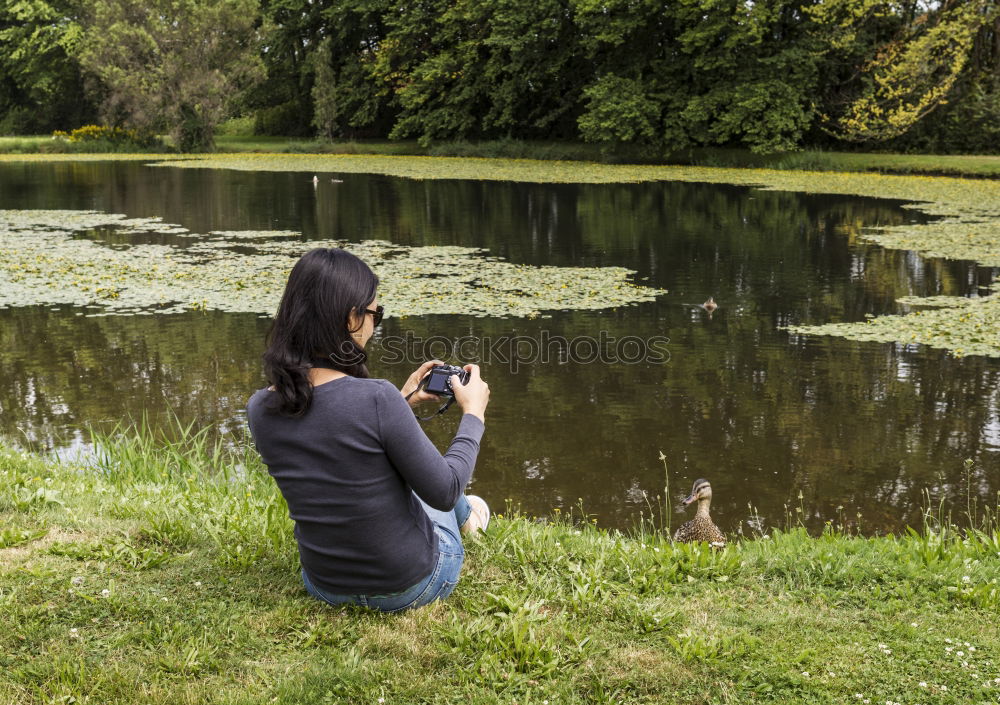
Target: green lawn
[[983, 166], [977, 166], [168, 575], [23, 145]]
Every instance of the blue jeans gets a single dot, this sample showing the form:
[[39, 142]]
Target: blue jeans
[[436, 586]]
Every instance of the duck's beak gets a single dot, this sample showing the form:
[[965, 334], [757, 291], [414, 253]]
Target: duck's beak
[[689, 499]]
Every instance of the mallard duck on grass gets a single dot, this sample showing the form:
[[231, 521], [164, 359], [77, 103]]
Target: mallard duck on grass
[[701, 528]]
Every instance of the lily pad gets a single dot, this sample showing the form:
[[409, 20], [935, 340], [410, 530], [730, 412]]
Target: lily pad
[[966, 224], [245, 271], [962, 326]]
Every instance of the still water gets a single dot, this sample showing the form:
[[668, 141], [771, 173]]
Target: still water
[[765, 416]]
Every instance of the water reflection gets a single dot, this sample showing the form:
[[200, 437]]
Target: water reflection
[[764, 416]]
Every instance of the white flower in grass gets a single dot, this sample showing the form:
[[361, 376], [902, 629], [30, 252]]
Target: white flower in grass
[[381, 700], [76, 580], [966, 578], [947, 641], [922, 684], [105, 592], [805, 674], [74, 633], [944, 687], [197, 583]]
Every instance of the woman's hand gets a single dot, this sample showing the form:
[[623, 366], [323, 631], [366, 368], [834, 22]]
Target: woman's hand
[[474, 395], [414, 381]]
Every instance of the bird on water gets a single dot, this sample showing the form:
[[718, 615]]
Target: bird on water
[[710, 305], [701, 528]]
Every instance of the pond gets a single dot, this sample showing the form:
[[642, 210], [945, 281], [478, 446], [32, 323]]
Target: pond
[[778, 422]]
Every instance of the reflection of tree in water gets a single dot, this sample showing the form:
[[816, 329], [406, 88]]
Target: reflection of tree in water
[[65, 371], [866, 427], [760, 414]]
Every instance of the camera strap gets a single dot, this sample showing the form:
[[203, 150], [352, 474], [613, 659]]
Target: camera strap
[[444, 407]]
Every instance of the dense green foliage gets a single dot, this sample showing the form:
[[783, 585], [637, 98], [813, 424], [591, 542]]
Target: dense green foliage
[[41, 83], [173, 64], [767, 75]]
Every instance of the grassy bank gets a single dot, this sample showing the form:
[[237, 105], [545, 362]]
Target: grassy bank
[[45, 144], [975, 166], [168, 575], [970, 166]]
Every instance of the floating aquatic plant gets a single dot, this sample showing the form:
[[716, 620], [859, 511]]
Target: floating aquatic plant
[[966, 224], [963, 326], [41, 262]]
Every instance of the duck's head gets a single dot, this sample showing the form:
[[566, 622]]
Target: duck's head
[[699, 491]]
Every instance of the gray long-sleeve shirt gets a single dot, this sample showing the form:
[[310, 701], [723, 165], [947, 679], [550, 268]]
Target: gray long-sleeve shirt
[[348, 469]]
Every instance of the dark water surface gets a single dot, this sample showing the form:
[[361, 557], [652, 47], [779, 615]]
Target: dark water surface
[[763, 415]]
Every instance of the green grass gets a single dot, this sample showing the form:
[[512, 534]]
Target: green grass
[[986, 166], [981, 166], [975, 166], [167, 574], [45, 144]]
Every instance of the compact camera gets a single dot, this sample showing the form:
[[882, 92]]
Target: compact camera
[[439, 379]]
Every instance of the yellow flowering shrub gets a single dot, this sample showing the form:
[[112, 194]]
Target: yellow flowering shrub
[[104, 133]]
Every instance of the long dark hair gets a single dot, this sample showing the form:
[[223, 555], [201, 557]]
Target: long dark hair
[[313, 319]]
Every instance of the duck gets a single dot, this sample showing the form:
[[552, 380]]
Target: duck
[[701, 528], [710, 305], [315, 180]]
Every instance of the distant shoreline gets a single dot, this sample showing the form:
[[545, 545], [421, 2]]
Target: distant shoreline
[[955, 165]]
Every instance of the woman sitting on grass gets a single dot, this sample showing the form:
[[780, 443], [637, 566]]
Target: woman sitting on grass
[[378, 510]]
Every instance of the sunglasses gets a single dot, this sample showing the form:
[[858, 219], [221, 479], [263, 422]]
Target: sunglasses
[[376, 314]]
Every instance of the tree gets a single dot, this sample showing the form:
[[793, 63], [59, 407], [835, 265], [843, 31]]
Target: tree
[[699, 72], [619, 111], [177, 65], [912, 74], [326, 106], [41, 88], [318, 55], [493, 68]]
